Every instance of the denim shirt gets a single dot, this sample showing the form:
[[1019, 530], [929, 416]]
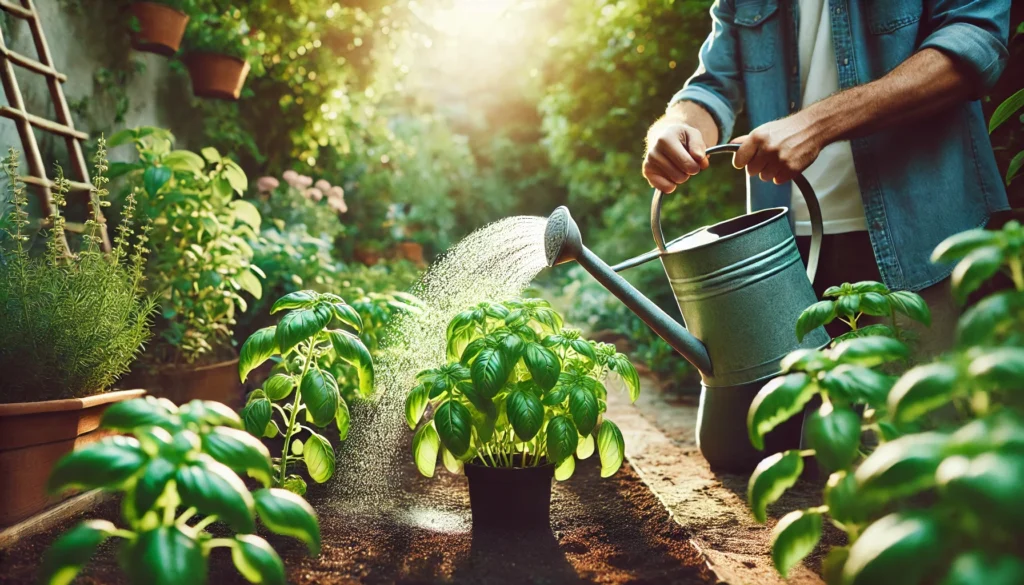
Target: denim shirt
[[920, 182]]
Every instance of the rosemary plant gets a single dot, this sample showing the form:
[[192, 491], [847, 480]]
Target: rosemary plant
[[71, 322]]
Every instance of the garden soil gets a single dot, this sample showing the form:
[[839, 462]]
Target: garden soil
[[609, 531]]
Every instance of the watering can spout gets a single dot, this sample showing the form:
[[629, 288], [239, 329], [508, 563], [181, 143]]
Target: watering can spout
[[563, 243]]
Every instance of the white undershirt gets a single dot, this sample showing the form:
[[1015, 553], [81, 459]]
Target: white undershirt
[[832, 175]]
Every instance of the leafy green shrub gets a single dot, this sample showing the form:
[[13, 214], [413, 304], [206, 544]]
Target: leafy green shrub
[[296, 201], [518, 391], [302, 339], [224, 34], [174, 458], [202, 260], [72, 323], [938, 500]]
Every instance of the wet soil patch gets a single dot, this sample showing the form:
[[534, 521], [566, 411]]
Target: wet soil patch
[[609, 531]]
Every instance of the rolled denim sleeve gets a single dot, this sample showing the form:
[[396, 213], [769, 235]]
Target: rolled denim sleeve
[[974, 32], [716, 83]]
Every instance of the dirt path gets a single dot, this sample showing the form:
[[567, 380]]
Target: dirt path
[[609, 531], [661, 445]]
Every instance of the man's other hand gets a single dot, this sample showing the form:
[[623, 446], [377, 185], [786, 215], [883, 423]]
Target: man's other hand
[[675, 152], [778, 150]]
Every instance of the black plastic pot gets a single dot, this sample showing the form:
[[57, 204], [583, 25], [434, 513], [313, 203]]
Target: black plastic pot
[[510, 498]]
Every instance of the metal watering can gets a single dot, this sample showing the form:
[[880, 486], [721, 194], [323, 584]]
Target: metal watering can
[[740, 285]]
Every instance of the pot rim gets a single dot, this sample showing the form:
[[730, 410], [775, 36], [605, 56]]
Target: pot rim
[[162, 6], [545, 465], [771, 214], [193, 55], [66, 404], [165, 368]]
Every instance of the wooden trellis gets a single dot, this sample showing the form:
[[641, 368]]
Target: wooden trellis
[[63, 126]]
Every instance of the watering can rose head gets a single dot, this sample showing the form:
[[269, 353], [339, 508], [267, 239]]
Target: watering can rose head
[[518, 391]]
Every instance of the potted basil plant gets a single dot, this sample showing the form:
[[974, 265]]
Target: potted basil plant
[[519, 400], [72, 323]]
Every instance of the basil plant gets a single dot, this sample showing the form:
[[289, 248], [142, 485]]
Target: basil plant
[[301, 393], [178, 470], [938, 501], [851, 303], [518, 391]]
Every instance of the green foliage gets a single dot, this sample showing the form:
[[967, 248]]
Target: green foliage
[[177, 463], [937, 500], [1004, 112], [220, 32], [980, 254], [518, 391], [851, 302], [201, 268], [72, 323], [301, 341]]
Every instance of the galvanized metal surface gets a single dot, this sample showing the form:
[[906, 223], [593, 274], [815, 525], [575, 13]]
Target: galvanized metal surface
[[740, 286]]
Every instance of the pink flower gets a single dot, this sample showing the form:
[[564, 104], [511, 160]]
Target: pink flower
[[323, 185], [314, 194], [336, 193], [304, 181], [291, 177], [337, 204], [267, 184]]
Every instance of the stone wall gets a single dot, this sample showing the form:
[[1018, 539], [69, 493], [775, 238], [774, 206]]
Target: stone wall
[[85, 36]]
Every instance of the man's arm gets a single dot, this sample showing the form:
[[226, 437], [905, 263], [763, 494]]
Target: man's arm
[[926, 83], [963, 55], [703, 112]]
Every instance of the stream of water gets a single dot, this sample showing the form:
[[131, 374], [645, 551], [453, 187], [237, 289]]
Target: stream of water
[[495, 263]]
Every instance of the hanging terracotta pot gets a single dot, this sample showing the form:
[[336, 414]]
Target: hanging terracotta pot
[[366, 256], [216, 76], [411, 251], [160, 28]]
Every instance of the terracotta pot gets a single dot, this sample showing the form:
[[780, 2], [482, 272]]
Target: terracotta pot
[[411, 251], [216, 76], [218, 382], [160, 28], [367, 257], [34, 435]]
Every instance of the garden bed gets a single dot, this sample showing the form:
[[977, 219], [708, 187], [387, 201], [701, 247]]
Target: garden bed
[[603, 531]]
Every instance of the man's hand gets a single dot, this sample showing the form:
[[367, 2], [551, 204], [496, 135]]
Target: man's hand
[[675, 152], [779, 150]]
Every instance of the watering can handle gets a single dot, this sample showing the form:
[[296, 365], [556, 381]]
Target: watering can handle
[[813, 209]]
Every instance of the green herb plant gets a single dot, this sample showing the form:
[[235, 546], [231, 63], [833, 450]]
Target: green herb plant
[[938, 500], [72, 322], [173, 466], [202, 258], [850, 303], [301, 339], [518, 391], [210, 31]]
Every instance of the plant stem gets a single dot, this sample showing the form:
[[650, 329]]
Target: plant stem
[[186, 516], [215, 542], [1017, 273], [205, 522], [294, 414]]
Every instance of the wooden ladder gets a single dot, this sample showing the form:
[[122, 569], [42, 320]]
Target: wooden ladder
[[64, 126]]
